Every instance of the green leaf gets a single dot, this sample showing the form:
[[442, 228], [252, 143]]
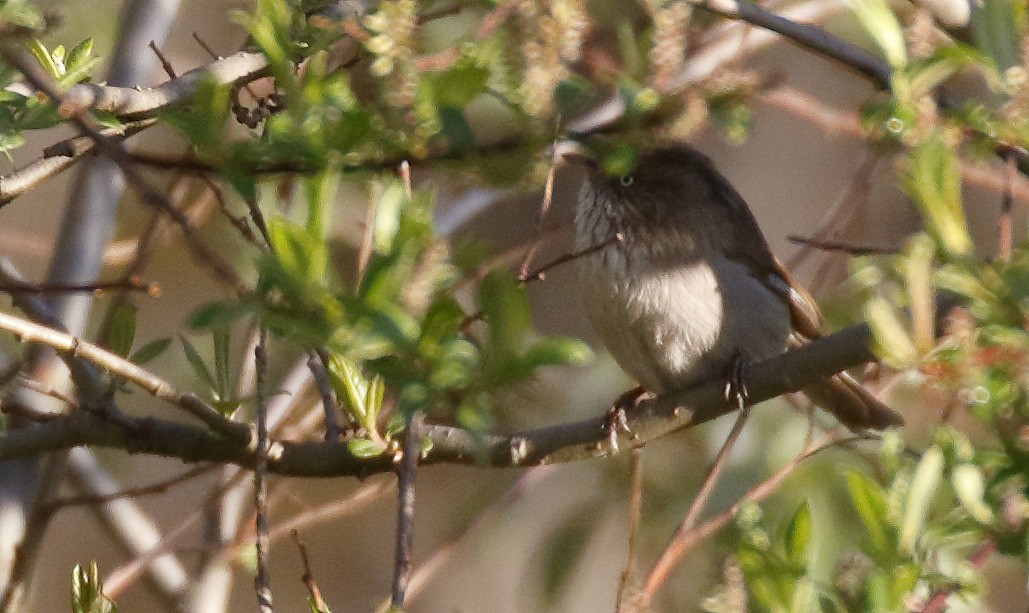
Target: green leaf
[[150, 351], [970, 486], [933, 181], [42, 55], [506, 310], [119, 329], [216, 314], [9, 141], [798, 536], [197, 363], [558, 351], [87, 591], [892, 342], [870, 502], [455, 127], [924, 482], [365, 448], [361, 398], [220, 339], [456, 87], [995, 25], [881, 24], [80, 54]]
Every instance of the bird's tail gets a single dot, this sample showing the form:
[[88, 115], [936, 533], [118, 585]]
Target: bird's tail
[[852, 404]]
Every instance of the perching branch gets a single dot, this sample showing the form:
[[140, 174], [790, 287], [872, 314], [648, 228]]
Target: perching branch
[[769, 378]]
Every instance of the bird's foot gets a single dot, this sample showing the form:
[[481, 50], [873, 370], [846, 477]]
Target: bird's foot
[[617, 420], [736, 386]]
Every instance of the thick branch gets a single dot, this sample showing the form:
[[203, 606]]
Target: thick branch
[[767, 379], [132, 103]]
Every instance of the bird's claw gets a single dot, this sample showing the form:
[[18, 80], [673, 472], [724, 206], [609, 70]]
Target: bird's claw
[[736, 386], [617, 420]]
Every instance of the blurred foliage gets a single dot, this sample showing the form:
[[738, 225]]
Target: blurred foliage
[[87, 591], [356, 94]]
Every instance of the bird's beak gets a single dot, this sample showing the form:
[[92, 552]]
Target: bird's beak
[[571, 152]]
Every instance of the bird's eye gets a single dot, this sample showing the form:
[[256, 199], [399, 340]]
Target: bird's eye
[[627, 180]]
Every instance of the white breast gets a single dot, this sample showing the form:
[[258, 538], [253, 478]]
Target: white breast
[[675, 326]]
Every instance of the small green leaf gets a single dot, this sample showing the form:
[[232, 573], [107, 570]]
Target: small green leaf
[[558, 351], [455, 127], [365, 448], [457, 86], [933, 181], [42, 55], [506, 310], [892, 341], [9, 141], [119, 329], [87, 591], [870, 502], [881, 24], [220, 338], [80, 54], [197, 363], [920, 496], [150, 351], [969, 485], [798, 535]]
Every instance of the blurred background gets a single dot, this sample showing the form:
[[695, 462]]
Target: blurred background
[[542, 539]]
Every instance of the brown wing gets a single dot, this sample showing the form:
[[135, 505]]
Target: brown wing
[[805, 315]]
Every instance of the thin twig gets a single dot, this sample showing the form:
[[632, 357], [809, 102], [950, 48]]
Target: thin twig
[[675, 549], [405, 510], [548, 196], [1004, 237], [635, 512], [40, 387], [319, 363], [59, 157], [539, 273], [354, 501], [264, 592], [31, 332], [165, 64], [759, 492], [132, 284], [437, 560], [848, 248], [154, 488], [308, 577], [87, 125]]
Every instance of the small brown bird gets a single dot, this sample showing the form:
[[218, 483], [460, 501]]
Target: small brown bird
[[691, 290]]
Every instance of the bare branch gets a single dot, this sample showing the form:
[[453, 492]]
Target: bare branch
[[31, 332], [264, 592], [623, 599], [87, 125], [675, 549], [308, 577], [57, 158], [769, 378], [405, 509], [154, 488], [757, 493], [132, 103]]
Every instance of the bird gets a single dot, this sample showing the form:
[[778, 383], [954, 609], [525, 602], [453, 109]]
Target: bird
[[680, 285]]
